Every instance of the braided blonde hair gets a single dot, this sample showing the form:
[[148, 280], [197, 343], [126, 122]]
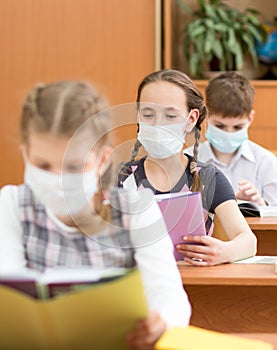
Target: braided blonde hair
[[60, 108]]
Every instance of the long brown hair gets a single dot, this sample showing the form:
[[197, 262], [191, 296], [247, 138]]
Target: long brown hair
[[194, 100]]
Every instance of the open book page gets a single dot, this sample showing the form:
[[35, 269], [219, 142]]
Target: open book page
[[56, 281], [24, 280], [252, 209], [258, 259], [268, 211], [59, 280]]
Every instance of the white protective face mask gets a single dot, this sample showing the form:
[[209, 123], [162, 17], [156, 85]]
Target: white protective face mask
[[161, 142], [65, 194]]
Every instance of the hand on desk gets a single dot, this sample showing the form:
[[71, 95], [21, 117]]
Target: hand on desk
[[146, 332], [248, 192], [207, 251]]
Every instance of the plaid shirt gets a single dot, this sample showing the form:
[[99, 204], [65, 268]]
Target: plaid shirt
[[48, 244]]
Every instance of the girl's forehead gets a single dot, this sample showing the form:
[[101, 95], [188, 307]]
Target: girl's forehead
[[39, 141], [163, 93], [47, 145]]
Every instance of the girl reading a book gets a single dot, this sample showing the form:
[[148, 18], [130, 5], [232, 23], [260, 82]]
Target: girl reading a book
[[67, 213], [169, 107]]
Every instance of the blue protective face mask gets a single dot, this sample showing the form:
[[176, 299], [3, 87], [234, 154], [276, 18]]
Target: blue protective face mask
[[226, 142]]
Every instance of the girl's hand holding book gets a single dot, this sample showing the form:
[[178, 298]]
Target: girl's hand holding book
[[203, 250], [146, 332]]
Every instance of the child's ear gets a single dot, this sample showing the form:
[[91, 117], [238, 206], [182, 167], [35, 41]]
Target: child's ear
[[192, 119], [251, 116], [105, 160]]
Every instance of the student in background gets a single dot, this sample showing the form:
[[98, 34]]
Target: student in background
[[63, 216], [169, 106], [250, 168]]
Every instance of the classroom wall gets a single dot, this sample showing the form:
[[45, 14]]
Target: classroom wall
[[108, 42]]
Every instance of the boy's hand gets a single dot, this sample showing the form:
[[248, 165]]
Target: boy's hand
[[146, 332], [248, 192]]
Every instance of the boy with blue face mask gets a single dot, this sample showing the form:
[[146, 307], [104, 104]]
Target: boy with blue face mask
[[250, 168]]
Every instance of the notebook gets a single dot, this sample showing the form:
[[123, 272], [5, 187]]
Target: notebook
[[195, 338], [183, 214]]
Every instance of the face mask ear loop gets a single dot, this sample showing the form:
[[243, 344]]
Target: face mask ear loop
[[187, 119], [138, 119]]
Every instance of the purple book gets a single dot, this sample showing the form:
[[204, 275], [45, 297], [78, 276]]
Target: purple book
[[184, 215]]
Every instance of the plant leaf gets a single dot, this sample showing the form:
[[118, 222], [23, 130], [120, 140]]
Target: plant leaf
[[218, 49], [209, 41], [194, 64], [237, 52], [256, 34], [184, 7], [251, 10], [251, 47], [231, 38], [223, 15], [253, 19], [210, 10], [198, 31], [220, 27]]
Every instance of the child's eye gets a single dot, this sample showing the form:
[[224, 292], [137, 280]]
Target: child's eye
[[74, 168], [43, 166], [147, 115], [238, 127], [171, 116]]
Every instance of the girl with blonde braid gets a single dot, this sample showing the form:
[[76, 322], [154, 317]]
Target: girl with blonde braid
[[170, 106], [67, 213]]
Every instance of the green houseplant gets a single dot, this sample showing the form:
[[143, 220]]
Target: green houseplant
[[222, 35]]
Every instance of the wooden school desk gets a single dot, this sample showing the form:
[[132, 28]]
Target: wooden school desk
[[232, 297], [265, 230]]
